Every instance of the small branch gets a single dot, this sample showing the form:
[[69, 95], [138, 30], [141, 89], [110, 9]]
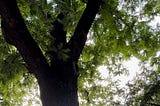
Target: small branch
[[77, 41], [154, 89], [17, 34]]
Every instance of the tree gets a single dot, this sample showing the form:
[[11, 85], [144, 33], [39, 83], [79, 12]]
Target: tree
[[58, 81], [51, 35]]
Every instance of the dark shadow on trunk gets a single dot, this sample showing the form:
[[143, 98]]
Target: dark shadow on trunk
[[60, 87]]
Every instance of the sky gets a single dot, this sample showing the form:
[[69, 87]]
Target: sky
[[132, 65]]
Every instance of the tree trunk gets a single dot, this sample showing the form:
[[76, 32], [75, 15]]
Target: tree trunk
[[58, 81], [59, 88]]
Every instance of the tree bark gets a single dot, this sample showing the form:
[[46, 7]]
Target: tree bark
[[16, 33], [77, 41], [60, 87], [58, 82], [59, 93]]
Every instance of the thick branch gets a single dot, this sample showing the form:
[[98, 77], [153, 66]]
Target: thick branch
[[17, 34], [58, 31], [59, 35], [77, 42]]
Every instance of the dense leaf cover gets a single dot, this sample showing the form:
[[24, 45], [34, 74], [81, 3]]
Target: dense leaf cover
[[122, 29]]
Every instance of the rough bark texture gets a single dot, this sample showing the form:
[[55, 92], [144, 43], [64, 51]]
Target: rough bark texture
[[16, 33], [77, 42], [58, 82], [60, 89]]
